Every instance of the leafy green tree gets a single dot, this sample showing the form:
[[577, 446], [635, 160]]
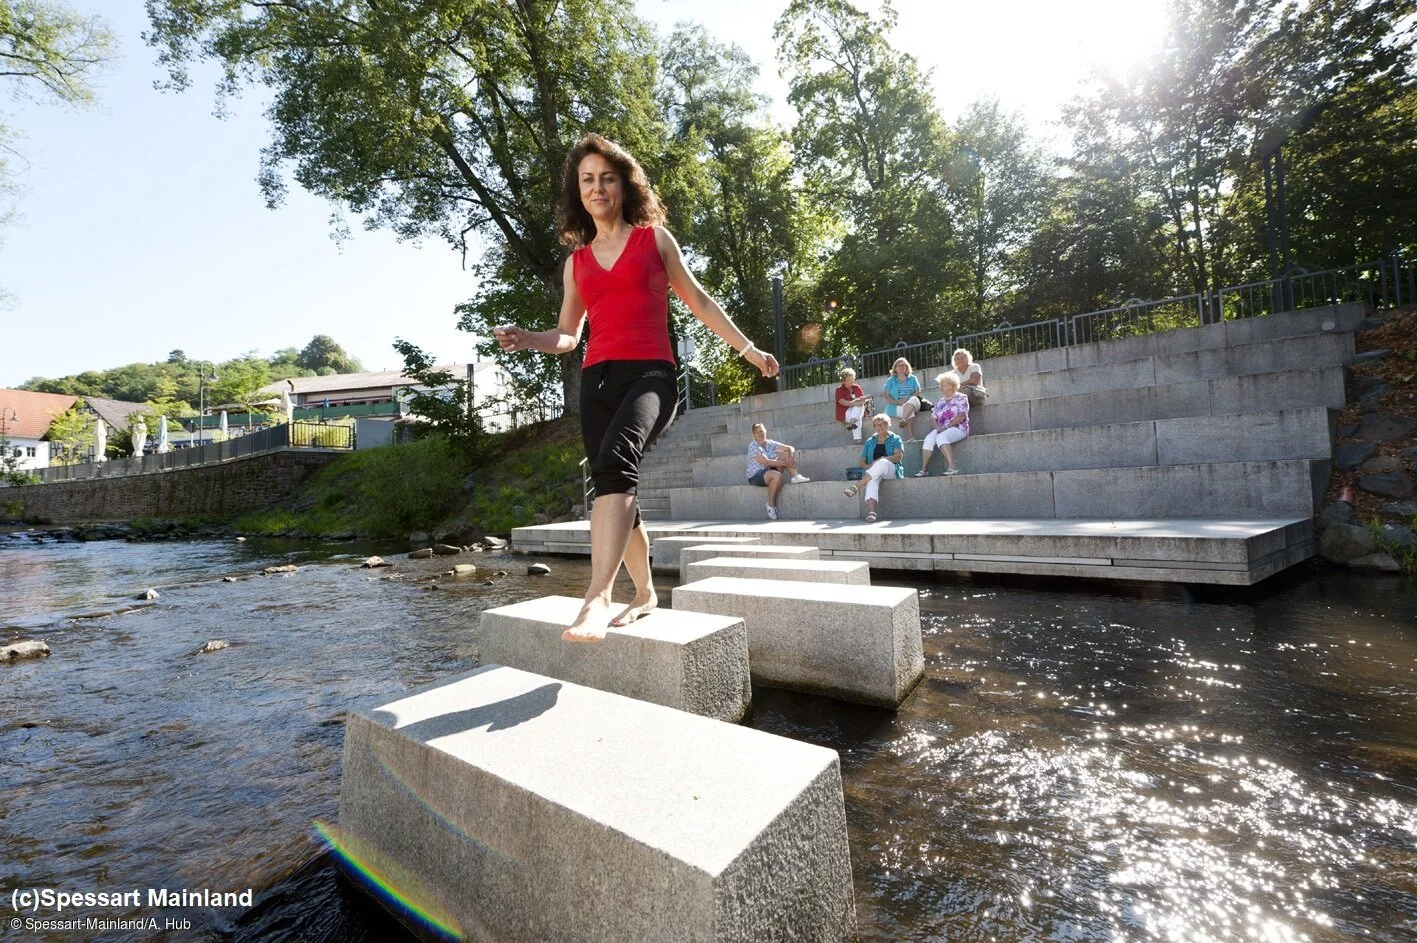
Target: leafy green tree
[[999, 184], [48, 52], [323, 353], [870, 144], [744, 220], [241, 382], [443, 401], [443, 118], [71, 435]]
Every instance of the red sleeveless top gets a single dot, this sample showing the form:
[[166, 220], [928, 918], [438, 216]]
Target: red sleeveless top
[[628, 304]]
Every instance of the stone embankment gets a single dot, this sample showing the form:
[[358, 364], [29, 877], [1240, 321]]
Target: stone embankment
[[1370, 511]]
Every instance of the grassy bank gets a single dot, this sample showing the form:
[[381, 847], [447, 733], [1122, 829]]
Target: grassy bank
[[508, 480]]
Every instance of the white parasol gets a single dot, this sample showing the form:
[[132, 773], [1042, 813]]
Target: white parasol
[[221, 424], [286, 405], [100, 440], [162, 444]]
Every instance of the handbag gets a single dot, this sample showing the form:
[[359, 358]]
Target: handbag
[[976, 395], [855, 474]]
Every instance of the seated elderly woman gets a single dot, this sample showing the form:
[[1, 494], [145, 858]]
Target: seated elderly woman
[[851, 403], [951, 415], [971, 377], [881, 456], [902, 393]]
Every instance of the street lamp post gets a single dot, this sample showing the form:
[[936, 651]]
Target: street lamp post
[[202, 379], [5, 421]]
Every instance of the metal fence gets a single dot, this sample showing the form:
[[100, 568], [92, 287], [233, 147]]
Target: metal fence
[[1138, 317], [696, 391], [273, 438], [1388, 283]]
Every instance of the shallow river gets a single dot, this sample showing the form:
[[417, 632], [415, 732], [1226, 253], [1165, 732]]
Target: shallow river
[[1088, 763]]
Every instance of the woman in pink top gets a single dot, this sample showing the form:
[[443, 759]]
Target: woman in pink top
[[951, 415], [625, 262]]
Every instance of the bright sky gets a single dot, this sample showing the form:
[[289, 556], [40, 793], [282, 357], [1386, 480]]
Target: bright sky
[[142, 229]]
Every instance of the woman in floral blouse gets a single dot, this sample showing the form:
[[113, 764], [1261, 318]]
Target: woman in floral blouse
[[951, 415]]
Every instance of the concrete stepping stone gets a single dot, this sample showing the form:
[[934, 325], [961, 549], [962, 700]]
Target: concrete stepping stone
[[664, 551], [690, 661], [761, 551], [844, 572], [512, 806], [856, 643]]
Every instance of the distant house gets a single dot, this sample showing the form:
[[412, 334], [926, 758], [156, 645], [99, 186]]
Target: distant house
[[26, 435], [361, 394]]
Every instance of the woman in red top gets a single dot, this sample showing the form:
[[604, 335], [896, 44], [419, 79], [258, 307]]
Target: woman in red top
[[625, 262]]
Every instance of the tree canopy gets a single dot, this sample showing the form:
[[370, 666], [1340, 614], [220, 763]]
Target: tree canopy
[[449, 119]]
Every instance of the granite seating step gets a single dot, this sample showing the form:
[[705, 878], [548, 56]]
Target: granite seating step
[[856, 643], [1261, 392], [685, 660], [1195, 367], [1262, 489], [838, 572], [1284, 434], [518, 807], [1227, 551]]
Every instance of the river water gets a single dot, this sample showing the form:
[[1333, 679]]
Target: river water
[[1082, 763]]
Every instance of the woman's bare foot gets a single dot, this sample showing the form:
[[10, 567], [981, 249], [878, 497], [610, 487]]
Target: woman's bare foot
[[639, 607], [590, 625]]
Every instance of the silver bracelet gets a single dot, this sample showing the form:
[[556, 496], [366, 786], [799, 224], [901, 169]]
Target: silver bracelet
[[744, 352]]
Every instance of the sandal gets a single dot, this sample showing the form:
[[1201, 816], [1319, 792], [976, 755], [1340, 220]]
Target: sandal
[[852, 491], [870, 517]]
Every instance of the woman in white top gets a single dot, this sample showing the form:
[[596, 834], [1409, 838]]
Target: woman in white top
[[971, 377]]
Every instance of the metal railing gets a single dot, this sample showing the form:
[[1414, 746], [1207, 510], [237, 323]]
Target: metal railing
[[271, 439], [1138, 317], [1008, 340], [1389, 283], [814, 372], [926, 356], [587, 488], [696, 391]]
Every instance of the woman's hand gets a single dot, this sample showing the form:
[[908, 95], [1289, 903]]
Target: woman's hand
[[764, 361], [512, 338]]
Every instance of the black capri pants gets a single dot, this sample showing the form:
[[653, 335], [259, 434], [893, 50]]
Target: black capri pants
[[625, 405]]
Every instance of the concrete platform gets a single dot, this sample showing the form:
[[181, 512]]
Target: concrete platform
[[522, 808], [856, 643], [838, 572], [692, 554], [1224, 551], [685, 660]]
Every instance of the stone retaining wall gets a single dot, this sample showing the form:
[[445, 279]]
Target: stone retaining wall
[[234, 487]]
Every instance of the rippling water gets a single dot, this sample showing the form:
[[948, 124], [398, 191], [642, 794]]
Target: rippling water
[[1082, 764]]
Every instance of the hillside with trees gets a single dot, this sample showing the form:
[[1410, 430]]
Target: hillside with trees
[[174, 386]]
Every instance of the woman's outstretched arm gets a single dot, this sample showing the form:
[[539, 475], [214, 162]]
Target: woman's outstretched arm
[[687, 287]]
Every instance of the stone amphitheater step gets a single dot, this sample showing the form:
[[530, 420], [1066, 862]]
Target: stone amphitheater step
[[1281, 488], [1193, 368], [1286, 434], [1260, 392], [1333, 320], [1224, 551]]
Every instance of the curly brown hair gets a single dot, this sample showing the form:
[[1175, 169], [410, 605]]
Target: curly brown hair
[[642, 207]]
